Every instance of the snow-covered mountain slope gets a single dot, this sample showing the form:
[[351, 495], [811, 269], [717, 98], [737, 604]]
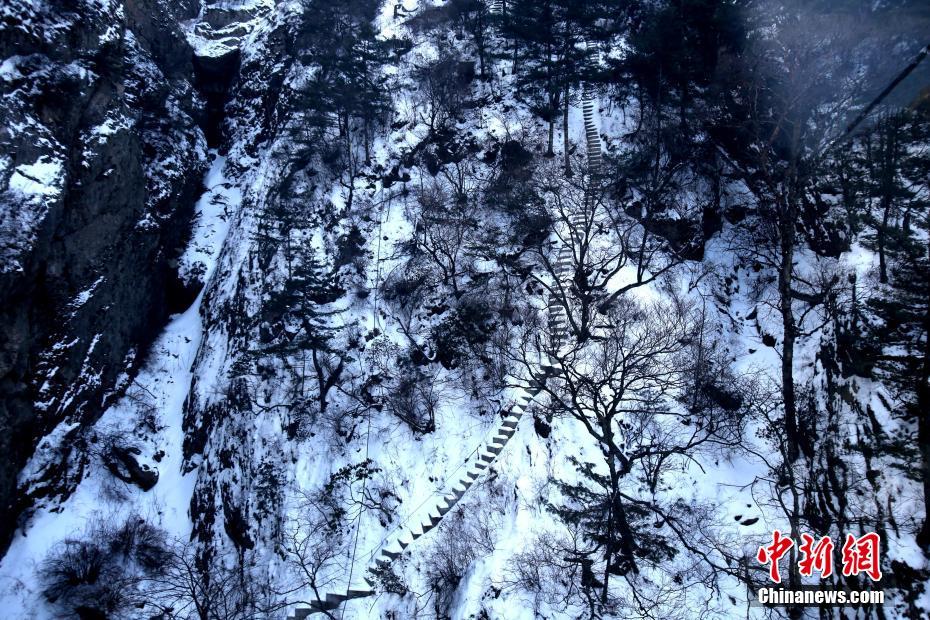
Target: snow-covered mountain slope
[[308, 298]]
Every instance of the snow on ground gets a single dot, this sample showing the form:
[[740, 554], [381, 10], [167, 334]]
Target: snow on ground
[[211, 221]]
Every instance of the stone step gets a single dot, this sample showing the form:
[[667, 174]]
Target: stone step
[[507, 433], [457, 494], [502, 438], [359, 593]]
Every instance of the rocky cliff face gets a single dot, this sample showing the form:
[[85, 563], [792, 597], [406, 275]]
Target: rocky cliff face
[[102, 154]]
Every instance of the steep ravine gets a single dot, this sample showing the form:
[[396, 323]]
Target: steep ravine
[[105, 121]]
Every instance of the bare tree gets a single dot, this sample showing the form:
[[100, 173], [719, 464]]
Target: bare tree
[[626, 387], [202, 586], [603, 242], [794, 118]]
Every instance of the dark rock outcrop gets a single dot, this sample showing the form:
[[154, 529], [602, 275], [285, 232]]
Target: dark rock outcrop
[[102, 160]]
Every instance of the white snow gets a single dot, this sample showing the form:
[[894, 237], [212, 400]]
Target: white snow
[[38, 179]]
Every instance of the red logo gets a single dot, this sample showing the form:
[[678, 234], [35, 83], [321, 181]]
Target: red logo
[[772, 553], [860, 555], [817, 557]]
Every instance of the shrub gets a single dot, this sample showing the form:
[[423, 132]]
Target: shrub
[[97, 575]]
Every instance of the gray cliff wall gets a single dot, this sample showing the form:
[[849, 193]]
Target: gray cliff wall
[[101, 159]]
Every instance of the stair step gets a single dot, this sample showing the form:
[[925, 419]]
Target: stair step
[[503, 439], [487, 457], [359, 593]]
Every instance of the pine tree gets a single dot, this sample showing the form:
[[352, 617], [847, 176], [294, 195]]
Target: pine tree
[[549, 54], [904, 307]]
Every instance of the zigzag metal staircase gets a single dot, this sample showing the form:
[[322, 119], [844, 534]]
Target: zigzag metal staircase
[[558, 329]]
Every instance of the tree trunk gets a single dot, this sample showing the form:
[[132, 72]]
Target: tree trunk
[[787, 219], [786, 269], [568, 169], [886, 212], [923, 426]]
